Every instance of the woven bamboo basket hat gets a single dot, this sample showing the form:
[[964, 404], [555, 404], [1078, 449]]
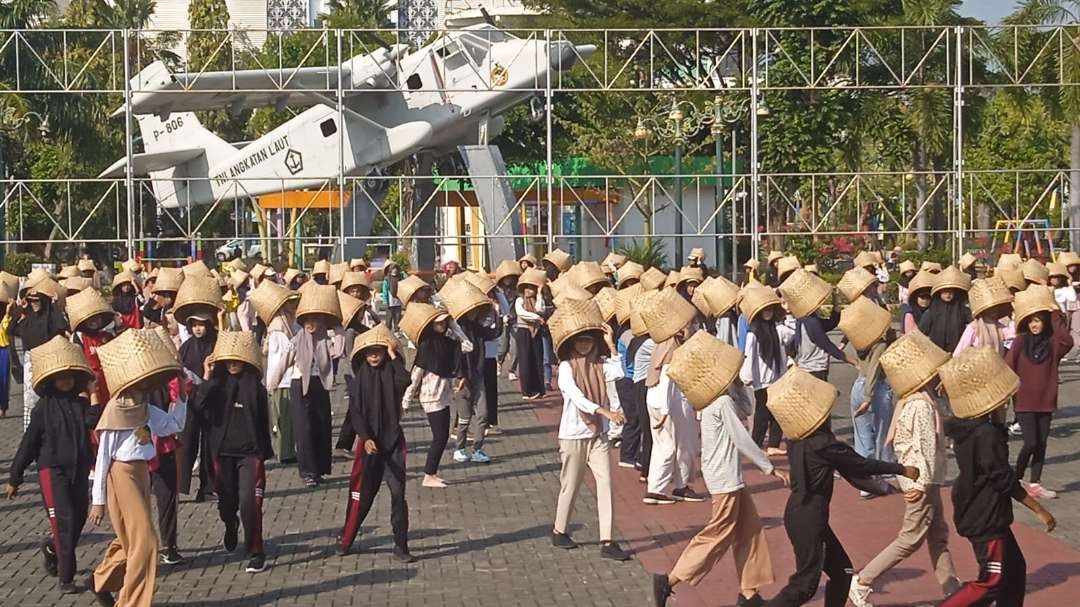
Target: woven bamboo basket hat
[[951, 278], [36, 276], [966, 261], [911, 362], [754, 298], [353, 279], [122, 278], [691, 274], [612, 262], [931, 266], [922, 281], [700, 301], [605, 300], [864, 323], [86, 265], [855, 282], [977, 381], [76, 284], [377, 336], [774, 256], [85, 305], [1013, 277], [1031, 300], [480, 281], [1035, 271], [68, 272], [8, 292], [696, 254], [556, 286], [787, 265], [534, 277], [337, 273], [238, 264], [268, 299], [865, 259], [350, 307], [722, 295], [669, 314], [812, 268], [51, 289], [195, 268], [1057, 269], [168, 340], [574, 318], [320, 299], [238, 345], [672, 278], [623, 300], [408, 287], [137, 356], [528, 258], [169, 280], [460, 297], [800, 402], [56, 356], [704, 368], [507, 267], [752, 264], [1008, 260], [1068, 258], [291, 274], [987, 293], [570, 291], [804, 293], [416, 318], [131, 265], [199, 295], [358, 262], [629, 271], [644, 301], [907, 266], [652, 279], [559, 258], [238, 278], [587, 274], [321, 267]]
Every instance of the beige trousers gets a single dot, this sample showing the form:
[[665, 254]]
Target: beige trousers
[[576, 454], [130, 563], [735, 525], [924, 521]]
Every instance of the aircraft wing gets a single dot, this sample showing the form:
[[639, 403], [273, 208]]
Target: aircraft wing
[[155, 90], [146, 163]]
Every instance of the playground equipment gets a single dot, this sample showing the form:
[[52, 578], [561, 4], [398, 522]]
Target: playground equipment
[[1028, 237]]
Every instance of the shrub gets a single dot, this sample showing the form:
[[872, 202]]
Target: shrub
[[20, 264], [649, 253]]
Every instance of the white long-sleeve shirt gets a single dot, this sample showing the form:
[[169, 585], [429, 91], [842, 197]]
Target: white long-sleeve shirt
[[124, 446], [755, 372], [660, 398], [525, 315], [571, 426], [723, 438], [279, 368]]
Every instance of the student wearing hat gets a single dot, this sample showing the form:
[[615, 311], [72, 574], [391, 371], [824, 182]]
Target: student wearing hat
[[391, 277], [1071, 261], [530, 308], [279, 314], [804, 295], [908, 270], [979, 384], [802, 404], [158, 307], [58, 439], [320, 273], [431, 379], [93, 324], [126, 301], [356, 319], [944, 322], [506, 291], [480, 325], [312, 381], [991, 305], [1064, 293], [376, 395], [1042, 341], [696, 259], [193, 354], [772, 277], [706, 369], [915, 432], [764, 358], [232, 402], [36, 320], [137, 363], [917, 302], [588, 362]]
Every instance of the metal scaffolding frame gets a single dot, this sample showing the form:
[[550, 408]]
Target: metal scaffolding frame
[[748, 65]]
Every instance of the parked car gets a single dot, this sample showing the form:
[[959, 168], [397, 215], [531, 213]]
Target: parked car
[[239, 247]]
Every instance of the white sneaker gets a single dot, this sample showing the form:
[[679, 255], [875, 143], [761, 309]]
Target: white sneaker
[[479, 457], [1014, 429], [511, 376], [461, 456], [1038, 491], [859, 594]]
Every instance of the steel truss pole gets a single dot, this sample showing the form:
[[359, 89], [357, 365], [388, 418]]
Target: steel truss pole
[[958, 143], [754, 244], [129, 183], [341, 150], [549, 170]]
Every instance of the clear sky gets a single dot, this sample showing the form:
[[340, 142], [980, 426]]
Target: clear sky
[[990, 11]]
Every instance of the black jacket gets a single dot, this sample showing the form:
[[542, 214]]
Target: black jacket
[[209, 403], [485, 328], [814, 459], [986, 483], [371, 417], [52, 444]]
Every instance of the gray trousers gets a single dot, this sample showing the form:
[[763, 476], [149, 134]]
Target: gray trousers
[[472, 409]]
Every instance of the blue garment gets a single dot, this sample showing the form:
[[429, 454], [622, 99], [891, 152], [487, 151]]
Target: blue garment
[[5, 378], [549, 355], [872, 428], [744, 328], [628, 363]]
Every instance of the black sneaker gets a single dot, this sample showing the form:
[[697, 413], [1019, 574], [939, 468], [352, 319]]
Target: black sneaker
[[170, 556], [611, 550], [105, 599], [231, 537], [687, 494], [68, 588], [257, 564], [402, 555], [562, 540], [658, 499], [754, 601], [311, 482], [661, 589], [48, 555]]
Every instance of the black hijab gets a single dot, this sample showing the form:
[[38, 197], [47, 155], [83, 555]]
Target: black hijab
[[437, 353], [917, 311], [768, 342], [124, 303], [379, 390], [69, 416], [1037, 347], [194, 351], [944, 322], [36, 328]]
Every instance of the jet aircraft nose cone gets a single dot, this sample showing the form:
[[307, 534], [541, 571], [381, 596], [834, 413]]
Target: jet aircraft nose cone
[[565, 55]]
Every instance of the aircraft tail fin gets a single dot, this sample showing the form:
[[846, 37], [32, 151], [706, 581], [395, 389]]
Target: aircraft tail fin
[[181, 130]]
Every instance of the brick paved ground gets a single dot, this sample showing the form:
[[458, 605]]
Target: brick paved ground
[[484, 540]]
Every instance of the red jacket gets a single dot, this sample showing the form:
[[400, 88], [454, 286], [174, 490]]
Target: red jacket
[[1039, 381]]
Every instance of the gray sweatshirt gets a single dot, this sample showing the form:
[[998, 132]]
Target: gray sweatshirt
[[723, 438]]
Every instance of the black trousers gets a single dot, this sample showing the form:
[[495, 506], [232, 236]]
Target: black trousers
[[439, 422], [67, 501], [1002, 575], [241, 483], [346, 434], [644, 428], [816, 550], [491, 390], [163, 483], [1036, 430], [764, 422], [368, 473], [530, 359], [195, 443], [631, 432], [312, 426], [822, 375]]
